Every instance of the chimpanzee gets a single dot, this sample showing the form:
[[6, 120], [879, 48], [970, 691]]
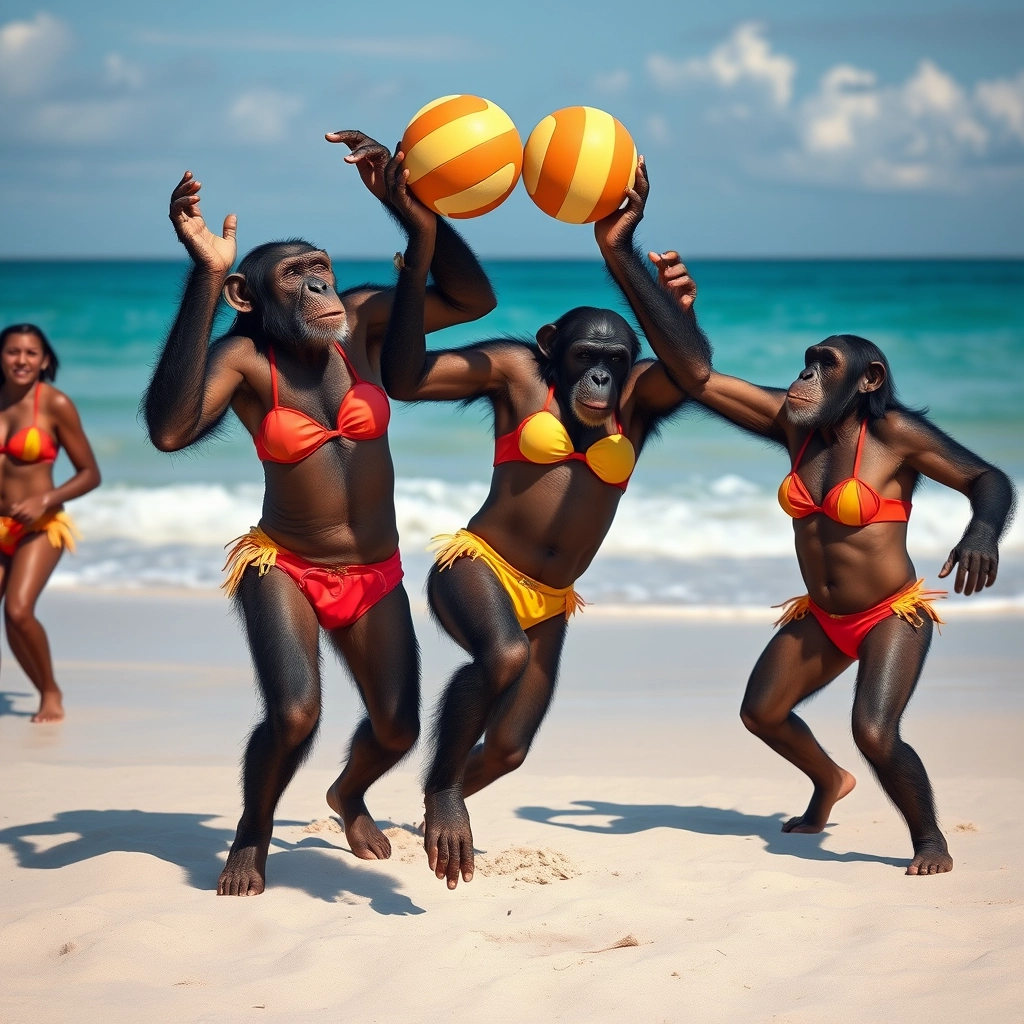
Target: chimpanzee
[[570, 415], [299, 367], [857, 454]]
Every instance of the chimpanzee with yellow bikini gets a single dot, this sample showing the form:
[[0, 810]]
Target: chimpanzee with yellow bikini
[[571, 413]]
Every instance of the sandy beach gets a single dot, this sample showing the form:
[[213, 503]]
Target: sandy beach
[[633, 870]]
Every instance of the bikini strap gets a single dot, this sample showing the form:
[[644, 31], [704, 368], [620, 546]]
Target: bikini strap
[[356, 379], [800, 454], [860, 448], [273, 374], [551, 394]]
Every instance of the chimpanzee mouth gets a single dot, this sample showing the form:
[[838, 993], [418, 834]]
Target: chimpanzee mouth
[[330, 315]]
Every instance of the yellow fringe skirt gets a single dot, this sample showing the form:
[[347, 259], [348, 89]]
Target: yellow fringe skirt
[[59, 528], [532, 602]]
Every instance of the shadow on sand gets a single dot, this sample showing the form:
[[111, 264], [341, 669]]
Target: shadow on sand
[[628, 819], [312, 865], [7, 705]]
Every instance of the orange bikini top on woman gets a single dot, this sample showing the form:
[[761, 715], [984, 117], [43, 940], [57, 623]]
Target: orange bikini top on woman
[[542, 439], [290, 435], [851, 502], [30, 444]]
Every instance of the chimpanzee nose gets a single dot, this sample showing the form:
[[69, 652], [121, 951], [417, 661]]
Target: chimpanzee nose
[[316, 284], [601, 378]]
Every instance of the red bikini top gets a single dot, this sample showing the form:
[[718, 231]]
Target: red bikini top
[[30, 444], [543, 440], [851, 502], [290, 435]]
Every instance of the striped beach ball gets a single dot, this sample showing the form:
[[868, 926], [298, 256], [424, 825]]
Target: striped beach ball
[[463, 154], [578, 163]]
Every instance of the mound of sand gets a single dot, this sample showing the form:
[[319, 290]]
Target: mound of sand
[[538, 867]]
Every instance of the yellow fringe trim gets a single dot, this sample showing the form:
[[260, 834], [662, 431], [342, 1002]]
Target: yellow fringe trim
[[60, 530], [534, 602], [906, 605], [252, 548]]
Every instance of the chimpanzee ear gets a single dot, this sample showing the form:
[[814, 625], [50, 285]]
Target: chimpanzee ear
[[545, 337], [236, 295], [873, 379]]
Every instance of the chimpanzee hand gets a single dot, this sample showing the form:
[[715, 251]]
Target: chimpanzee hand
[[616, 230], [978, 558], [216, 254], [415, 217], [369, 156], [674, 277]]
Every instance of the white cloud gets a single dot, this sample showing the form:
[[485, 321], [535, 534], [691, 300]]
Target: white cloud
[[262, 115], [746, 57], [86, 121], [1003, 101], [30, 52], [120, 72], [657, 129], [612, 82]]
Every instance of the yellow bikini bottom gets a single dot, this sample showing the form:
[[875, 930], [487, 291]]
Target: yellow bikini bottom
[[532, 602]]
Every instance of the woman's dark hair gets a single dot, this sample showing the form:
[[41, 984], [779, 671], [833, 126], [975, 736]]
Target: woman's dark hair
[[49, 372], [872, 405]]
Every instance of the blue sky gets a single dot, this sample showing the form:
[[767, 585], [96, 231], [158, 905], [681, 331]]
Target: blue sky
[[800, 128]]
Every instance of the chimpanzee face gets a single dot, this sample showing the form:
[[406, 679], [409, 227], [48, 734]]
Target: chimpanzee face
[[296, 300], [589, 353], [828, 388]]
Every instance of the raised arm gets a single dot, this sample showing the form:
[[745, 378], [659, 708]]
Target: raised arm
[[938, 456], [665, 310], [192, 385], [461, 291], [410, 372]]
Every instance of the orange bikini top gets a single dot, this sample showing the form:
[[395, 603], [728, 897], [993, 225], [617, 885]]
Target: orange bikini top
[[851, 502], [289, 435], [30, 444], [542, 439]]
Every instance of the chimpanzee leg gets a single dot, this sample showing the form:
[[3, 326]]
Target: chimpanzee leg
[[798, 662], [382, 655], [519, 710], [891, 658], [283, 638], [473, 608]]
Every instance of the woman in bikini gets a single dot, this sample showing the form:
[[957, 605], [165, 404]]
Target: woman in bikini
[[35, 421]]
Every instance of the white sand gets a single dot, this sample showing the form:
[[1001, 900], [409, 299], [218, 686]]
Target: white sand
[[633, 870]]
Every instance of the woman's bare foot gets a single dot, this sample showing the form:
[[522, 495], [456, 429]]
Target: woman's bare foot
[[364, 838], [931, 857], [815, 818], [245, 873], [51, 707], [448, 838]]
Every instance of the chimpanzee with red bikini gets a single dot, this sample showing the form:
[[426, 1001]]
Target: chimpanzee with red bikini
[[857, 454], [300, 367]]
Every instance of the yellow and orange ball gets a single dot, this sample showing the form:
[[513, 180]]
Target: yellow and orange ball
[[578, 163], [463, 154]]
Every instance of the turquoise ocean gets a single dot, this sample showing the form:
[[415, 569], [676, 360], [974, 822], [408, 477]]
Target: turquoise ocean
[[699, 524]]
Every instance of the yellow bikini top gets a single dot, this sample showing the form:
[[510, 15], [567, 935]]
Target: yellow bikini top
[[543, 440]]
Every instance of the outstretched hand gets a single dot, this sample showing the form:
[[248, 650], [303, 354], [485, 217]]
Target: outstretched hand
[[617, 228], [370, 157], [216, 253], [674, 277], [978, 565], [415, 217]]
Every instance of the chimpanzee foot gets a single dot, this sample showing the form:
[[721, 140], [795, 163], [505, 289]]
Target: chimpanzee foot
[[931, 857], [51, 707], [364, 838], [245, 873], [815, 818], [448, 838]]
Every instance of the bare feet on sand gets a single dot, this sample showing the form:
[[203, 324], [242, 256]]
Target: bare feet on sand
[[364, 838], [245, 873], [931, 857], [51, 707], [815, 818], [448, 838]]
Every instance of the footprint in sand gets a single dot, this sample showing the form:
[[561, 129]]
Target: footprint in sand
[[523, 864]]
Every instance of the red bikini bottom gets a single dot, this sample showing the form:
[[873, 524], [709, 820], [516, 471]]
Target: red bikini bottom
[[339, 594], [847, 632]]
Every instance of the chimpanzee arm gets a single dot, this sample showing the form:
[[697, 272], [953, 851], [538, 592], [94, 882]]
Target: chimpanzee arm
[[670, 323], [192, 384], [461, 291], [935, 454]]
